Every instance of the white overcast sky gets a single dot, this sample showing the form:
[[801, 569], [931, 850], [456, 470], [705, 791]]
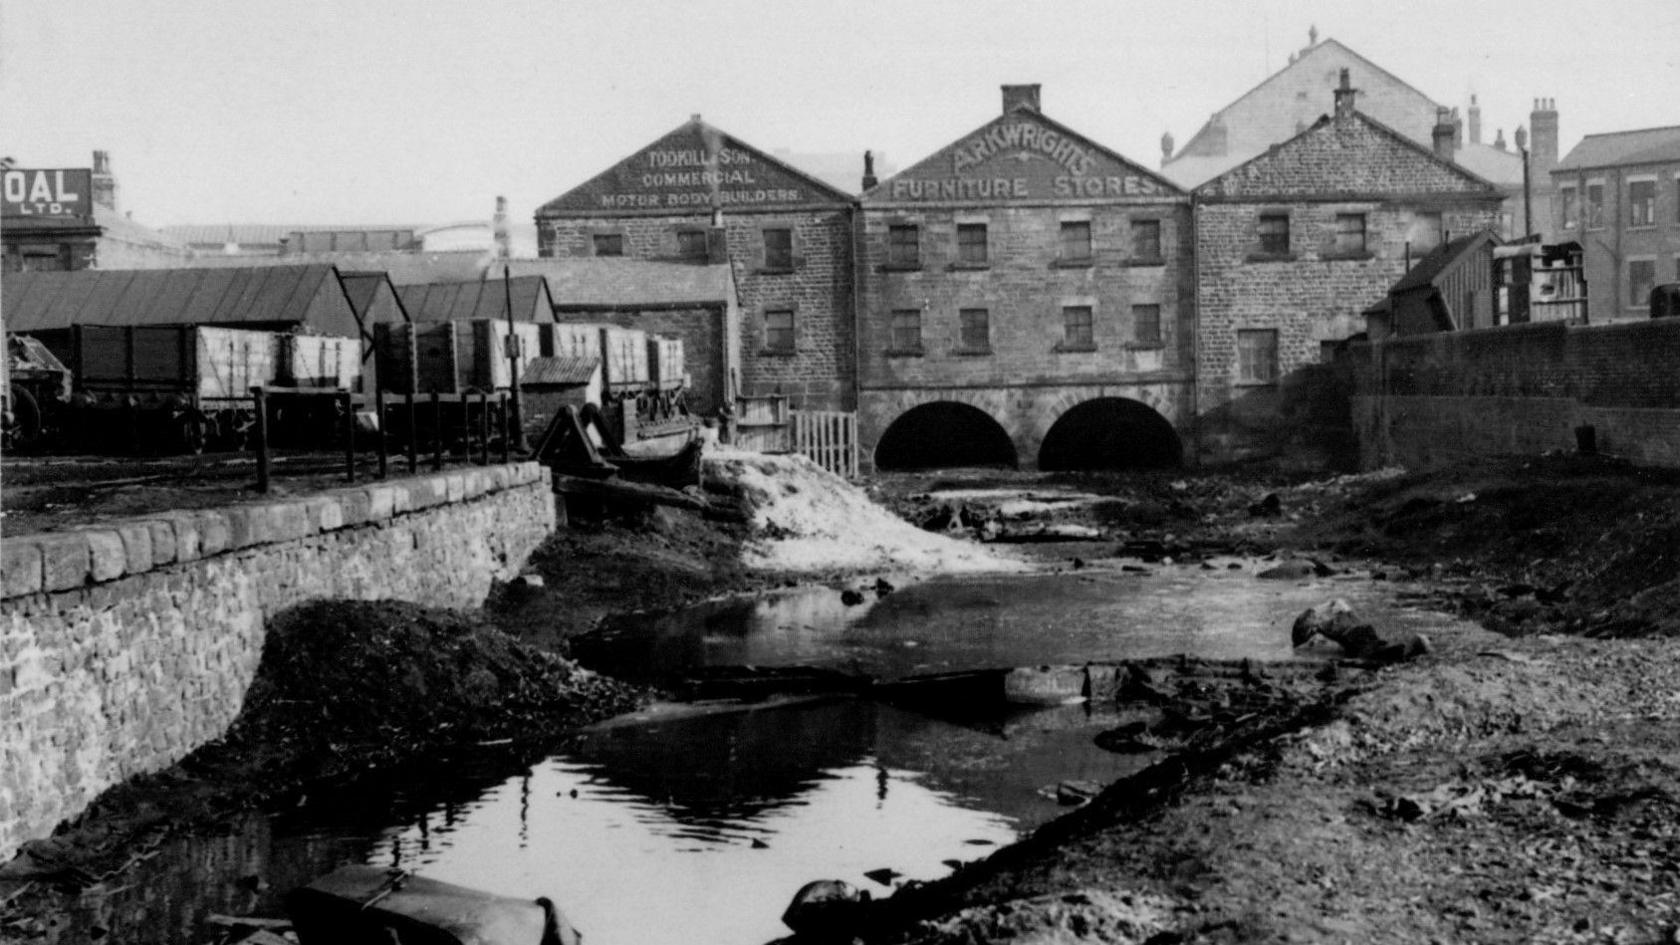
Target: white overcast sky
[[365, 112]]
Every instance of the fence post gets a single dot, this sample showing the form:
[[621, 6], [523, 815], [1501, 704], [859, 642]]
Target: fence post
[[413, 433], [349, 436], [437, 432], [262, 438], [507, 443], [380, 430], [484, 427]]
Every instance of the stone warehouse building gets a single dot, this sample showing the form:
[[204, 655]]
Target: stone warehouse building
[[1292, 246], [698, 195], [1619, 197], [1024, 299]]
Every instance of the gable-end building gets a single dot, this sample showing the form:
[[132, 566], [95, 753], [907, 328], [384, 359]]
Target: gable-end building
[[1294, 246], [1619, 197], [1025, 299], [698, 195]]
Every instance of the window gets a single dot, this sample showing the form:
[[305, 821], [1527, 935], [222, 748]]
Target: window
[[691, 244], [778, 248], [1642, 202], [907, 329], [1424, 232], [904, 245], [1076, 241], [1595, 204], [1146, 239], [1350, 234], [778, 330], [1257, 356], [1146, 324], [1274, 234], [609, 244], [971, 244], [974, 329], [1569, 209], [1076, 327], [1642, 275]]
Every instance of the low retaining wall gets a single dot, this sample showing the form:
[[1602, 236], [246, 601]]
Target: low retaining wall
[[125, 646], [1431, 399]]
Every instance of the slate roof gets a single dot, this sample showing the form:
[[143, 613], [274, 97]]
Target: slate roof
[[1619, 148], [257, 234], [558, 369], [486, 298], [1437, 261], [362, 289], [38, 301], [602, 282]]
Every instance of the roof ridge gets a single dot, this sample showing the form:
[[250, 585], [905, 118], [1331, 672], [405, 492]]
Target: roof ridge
[[1631, 131]]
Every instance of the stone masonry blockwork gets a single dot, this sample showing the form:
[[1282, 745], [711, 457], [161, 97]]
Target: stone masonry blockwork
[[104, 677]]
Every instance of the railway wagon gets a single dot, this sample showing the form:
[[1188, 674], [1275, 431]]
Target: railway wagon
[[452, 357], [188, 387]]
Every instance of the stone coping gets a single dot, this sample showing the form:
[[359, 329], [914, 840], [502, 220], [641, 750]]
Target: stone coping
[[93, 554]]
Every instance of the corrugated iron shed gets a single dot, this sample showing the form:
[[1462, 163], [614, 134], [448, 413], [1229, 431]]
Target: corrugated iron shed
[[280, 295], [462, 301]]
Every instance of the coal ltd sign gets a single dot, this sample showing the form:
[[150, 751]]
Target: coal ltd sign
[[47, 192]]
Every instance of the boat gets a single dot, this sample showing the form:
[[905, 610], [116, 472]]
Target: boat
[[568, 448], [368, 904]]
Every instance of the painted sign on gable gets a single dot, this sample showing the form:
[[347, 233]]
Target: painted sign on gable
[[1019, 157], [51, 192], [693, 169]]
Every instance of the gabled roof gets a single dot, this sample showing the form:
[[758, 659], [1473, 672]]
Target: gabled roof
[[1620, 148], [481, 299], [41, 301], [1293, 96], [1432, 265], [684, 171], [606, 282], [1038, 157], [366, 289], [1249, 180]]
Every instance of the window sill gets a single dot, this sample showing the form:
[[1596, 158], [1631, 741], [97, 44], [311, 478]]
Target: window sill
[[903, 353], [775, 270], [972, 352], [1145, 346], [1269, 258], [1143, 263], [777, 352], [1254, 384], [969, 266], [1641, 227], [901, 267], [1065, 348], [1072, 264], [1348, 257]]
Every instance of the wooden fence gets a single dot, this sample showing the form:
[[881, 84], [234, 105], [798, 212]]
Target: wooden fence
[[829, 439]]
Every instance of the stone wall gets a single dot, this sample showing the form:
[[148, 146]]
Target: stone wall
[[1432, 399], [125, 646]]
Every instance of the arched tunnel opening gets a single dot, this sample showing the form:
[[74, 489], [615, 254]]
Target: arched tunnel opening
[[1111, 433], [943, 434]]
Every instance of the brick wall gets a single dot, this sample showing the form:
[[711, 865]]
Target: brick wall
[[1520, 389], [818, 374], [1609, 249], [126, 646]]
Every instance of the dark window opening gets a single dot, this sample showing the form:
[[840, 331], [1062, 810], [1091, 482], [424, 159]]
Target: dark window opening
[[904, 245], [609, 244], [1076, 241], [1111, 433], [1350, 234], [907, 329], [778, 249], [975, 329], [944, 435], [1146, 239], [971, 243], [1077, 331], [1257, 355], [778, 330], [1274, 234], [691, 244], [1146, 324]]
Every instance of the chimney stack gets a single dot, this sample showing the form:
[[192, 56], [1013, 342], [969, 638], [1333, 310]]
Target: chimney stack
[[499, 237], [1443, 135], [1543, 130], [104, 182], [1020, 96], [1345, 93], [869, 179], [1499, 140], [1458, 129], [1475, 121], [1166, 147]]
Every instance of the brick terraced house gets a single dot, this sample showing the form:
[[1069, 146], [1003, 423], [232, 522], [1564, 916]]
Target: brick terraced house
[[1618, 195], [1291, 247], [697, 195], [1024, 299]]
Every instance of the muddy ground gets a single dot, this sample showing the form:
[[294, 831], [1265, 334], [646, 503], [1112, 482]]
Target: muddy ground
[[1516, 787]]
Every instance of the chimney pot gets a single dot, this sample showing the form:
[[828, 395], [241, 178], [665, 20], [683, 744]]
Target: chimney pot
[[1443, 134], [869, 179], [1345, 93], [1166, 146], [1020, 96], [1475, 121]]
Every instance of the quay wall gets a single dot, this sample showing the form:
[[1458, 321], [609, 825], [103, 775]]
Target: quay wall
[[1427, 400], [126, 645]]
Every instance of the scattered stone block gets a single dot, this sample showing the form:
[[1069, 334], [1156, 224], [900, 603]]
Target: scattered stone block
[[66, 561], [20, 567]]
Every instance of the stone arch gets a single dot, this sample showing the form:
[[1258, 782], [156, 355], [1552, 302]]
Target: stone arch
[[944, 433], [1110, 433]]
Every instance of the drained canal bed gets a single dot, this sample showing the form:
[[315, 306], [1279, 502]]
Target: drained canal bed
[[696, 823]]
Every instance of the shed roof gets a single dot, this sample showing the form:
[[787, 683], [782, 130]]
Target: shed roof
[[608, 282], [1618, 148], [1426, 270], [486, 298], [39, 301]]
